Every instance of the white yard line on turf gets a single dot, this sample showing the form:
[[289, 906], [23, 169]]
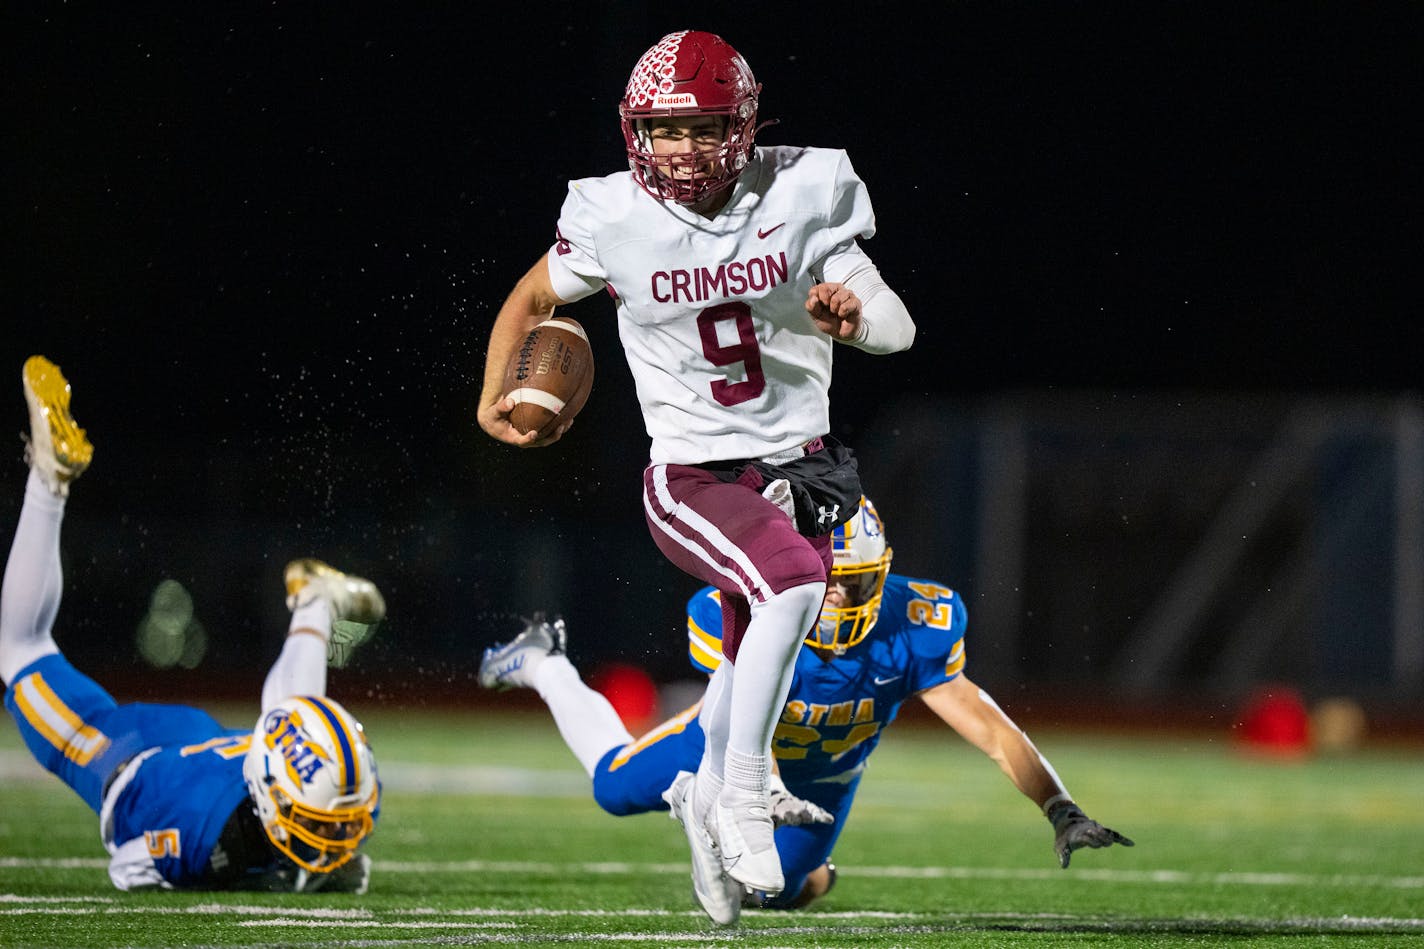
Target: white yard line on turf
[[18, 767], [616, 868], [496, 925]]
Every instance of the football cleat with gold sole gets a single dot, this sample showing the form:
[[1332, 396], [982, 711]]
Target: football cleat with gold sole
[[58, 449], [356, 604]]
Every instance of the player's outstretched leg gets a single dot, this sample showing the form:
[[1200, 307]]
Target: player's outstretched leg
[[354, 603], [511, 665], [719, 895], [536, 659], [58, 449], [332, 613]]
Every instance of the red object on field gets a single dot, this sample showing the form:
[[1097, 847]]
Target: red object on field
[[1276, 721], [631, 691]]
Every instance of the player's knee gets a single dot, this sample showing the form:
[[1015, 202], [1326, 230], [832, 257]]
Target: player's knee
[[614, 804], [781, 621], [796, 565], [19, 652], [802, 601], [614, 798], [802, 891], [818, 883], [806, 596]]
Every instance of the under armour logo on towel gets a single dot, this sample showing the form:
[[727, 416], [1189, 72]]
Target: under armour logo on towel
[[827, 515]]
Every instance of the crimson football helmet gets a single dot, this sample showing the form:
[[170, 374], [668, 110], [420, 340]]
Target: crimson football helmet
[[861, 562], [685, 74]]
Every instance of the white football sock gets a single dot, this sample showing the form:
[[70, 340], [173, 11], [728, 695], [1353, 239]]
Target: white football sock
[[300, 669], [585, 718], [313, 617], [34, 581], [766, 661], [714, 718], [748, 772]]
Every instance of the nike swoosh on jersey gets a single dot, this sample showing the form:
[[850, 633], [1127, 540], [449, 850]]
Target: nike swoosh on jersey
[[767, 233], [880, 681]]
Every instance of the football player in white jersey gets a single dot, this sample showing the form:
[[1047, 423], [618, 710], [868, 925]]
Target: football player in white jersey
[[735, 271], [183, 802], [881, 639]]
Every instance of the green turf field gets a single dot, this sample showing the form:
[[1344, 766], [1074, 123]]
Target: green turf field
[[488, 837]]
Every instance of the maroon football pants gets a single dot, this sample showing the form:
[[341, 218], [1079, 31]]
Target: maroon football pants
[[726, 534]]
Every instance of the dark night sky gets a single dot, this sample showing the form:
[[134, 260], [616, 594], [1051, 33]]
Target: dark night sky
[[269, 238], [1175, 196]]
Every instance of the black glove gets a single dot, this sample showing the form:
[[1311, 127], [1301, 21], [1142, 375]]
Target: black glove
[[1073, 829]]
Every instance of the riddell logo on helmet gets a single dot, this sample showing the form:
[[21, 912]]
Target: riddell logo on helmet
[[664, 100]]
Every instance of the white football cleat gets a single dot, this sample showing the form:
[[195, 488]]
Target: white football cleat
[[511, 665], [719, 895], [57, 449], [355, 603], [746, 837]]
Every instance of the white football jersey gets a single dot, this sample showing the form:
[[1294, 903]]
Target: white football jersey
[[711, 314]]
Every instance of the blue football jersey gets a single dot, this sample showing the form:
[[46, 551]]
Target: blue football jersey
[[839, 705], [178, 802]]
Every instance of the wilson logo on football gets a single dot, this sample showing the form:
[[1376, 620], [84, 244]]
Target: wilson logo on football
[[558, 357]]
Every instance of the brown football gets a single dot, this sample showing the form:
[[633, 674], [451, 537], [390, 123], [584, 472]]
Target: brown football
[[550, 376]]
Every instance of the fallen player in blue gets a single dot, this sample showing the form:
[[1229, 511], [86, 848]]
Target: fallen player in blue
[[881, 639], [183, 802]]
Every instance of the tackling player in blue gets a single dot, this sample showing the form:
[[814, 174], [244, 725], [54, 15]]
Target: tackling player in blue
[[184, 802], [881, 639]]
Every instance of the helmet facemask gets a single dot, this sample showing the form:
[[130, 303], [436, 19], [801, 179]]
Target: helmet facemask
[[312, 776], [861, 564], [659, 174], [316, 839]]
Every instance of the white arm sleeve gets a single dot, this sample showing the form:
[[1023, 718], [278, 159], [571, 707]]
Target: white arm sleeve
[[885, 324], [570, 285]]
